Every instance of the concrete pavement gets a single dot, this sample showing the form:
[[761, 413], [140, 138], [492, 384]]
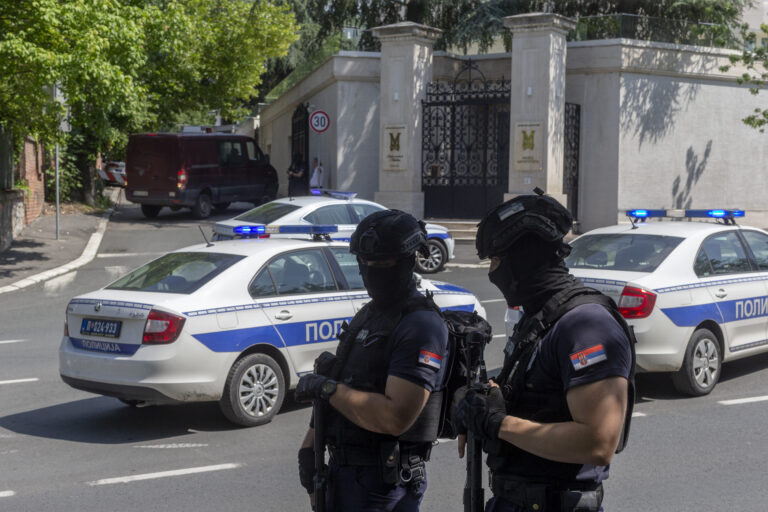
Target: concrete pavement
[[37, 256]]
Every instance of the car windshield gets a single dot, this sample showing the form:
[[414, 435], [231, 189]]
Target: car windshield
[[178, 272], [630, 252], [267, 213]]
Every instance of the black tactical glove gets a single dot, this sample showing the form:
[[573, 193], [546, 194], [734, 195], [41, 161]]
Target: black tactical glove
[[313, 386], [324, 364], [482, 414], [307, 469], [457, 425]]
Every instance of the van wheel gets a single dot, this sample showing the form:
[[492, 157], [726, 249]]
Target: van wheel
[[254, 391], [202, 207], [150, 211], [701, 365], [221, 207]]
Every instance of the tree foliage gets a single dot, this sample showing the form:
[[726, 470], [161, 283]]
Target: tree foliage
[[131, 65], [754, 58]]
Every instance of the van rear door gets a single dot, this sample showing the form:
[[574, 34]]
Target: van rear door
[[151, 165], [233, 169]]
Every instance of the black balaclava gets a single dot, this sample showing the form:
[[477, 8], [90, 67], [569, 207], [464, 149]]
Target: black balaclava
[[388, 286], [530, 273]]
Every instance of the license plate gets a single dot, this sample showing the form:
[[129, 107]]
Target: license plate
[[105, 328], [140, 193]]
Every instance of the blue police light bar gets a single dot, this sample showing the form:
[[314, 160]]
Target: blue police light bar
[[316, 191], [645, 214], [340, 194], [303, 230], [716, 213], [250, 230]]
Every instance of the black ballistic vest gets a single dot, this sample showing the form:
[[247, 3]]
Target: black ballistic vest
[[546, 406], [364, 352]]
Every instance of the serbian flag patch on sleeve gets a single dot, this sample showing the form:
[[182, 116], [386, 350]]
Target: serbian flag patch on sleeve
[[429, 359], [588, 356]]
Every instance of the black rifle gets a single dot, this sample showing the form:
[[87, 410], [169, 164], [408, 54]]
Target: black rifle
[[318, 409], [474, 493]]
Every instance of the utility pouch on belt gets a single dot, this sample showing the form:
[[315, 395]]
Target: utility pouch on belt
[[389, 461]]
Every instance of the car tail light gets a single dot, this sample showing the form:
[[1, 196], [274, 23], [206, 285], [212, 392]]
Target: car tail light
[[162, 327], [181, 179], [66, 329], [636, 302]]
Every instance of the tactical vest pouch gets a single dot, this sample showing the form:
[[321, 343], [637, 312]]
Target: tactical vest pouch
[[542, 497]]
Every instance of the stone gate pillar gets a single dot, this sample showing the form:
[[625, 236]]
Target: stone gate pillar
[[406, 69], [537, 100]]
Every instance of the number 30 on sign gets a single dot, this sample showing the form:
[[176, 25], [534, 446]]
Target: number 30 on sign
[[319, 121]]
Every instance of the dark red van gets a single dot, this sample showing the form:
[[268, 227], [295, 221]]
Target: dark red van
[[197, 171]]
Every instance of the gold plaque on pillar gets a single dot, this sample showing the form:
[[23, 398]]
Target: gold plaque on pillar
[[394, 148], [529, 147]]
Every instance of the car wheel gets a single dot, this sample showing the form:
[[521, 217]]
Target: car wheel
[[202, 207], [432, 259], [254, 391], [701, 365], [221, 207], [150, 211]]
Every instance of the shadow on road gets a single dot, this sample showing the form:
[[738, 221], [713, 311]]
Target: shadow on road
[[104, 420]]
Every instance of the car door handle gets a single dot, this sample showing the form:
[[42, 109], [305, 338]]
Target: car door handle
[[284, 315], [720, 293]]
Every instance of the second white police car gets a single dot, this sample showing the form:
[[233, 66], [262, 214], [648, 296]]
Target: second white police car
[[236, 322], [696, 293]]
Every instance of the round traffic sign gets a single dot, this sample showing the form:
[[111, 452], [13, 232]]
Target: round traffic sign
[[319, 121]]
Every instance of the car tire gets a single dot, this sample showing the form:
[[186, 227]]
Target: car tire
[[221, 207], [702, 365], [150, 211], [202, 207], [435, 258], [254, 391]]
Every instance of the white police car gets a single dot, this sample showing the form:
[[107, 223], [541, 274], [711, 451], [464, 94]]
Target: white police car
[[234, 321], [338, 208], [696, 293]]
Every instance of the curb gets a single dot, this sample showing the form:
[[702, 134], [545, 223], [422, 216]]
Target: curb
[[88, 254]]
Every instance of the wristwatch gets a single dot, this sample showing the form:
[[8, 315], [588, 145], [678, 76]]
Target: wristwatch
[[328, 389]]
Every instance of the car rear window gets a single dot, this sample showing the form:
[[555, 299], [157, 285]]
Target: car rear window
[[267, 213], [178, 272], [630, 252]]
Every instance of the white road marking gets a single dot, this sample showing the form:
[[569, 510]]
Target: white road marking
[[163, 474], [172, 445], [57, 284], [3, 342], [638, 414], [468, 265], [126, 254], [7, 494], [116, 271], [744, 400], [17, 381], [499, 335], [493, 300]]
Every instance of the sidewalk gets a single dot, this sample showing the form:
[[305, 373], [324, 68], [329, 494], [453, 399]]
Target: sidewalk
[[36, 255]]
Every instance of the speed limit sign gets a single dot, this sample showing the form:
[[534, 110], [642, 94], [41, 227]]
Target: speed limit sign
[[319, 121]]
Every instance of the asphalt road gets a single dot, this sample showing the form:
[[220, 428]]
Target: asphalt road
[[66, 450]]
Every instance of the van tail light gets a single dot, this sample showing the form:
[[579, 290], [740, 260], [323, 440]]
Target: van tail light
[[181, 179], [162, 327], [636, 302]]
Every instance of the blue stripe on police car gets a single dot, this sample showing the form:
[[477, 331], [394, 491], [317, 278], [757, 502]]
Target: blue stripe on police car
[[722, 312]]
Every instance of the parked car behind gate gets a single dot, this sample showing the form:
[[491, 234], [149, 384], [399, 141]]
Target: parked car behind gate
[[197, 171]]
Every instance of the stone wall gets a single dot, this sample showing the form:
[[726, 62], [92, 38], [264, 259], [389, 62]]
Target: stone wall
[[11, 205]]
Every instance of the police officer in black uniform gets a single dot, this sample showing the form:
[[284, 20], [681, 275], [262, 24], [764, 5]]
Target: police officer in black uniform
[[561, 405], [384, 383]]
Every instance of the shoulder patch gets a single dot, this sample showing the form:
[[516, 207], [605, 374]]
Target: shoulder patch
[[430, 359], [589, 356]]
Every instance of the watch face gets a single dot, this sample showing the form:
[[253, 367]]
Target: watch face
[[329, 387]]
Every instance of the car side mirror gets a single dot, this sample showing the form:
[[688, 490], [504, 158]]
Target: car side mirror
[[266, 158]]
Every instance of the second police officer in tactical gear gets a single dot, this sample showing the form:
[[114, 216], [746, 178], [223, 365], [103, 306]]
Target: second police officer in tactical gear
[[384, 383], [562, 403]]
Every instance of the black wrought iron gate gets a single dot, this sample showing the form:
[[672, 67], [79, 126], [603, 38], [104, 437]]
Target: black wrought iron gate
[[300, 135], [571, 157], [465, 145]]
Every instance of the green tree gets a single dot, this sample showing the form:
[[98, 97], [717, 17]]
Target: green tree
[[754, 59]]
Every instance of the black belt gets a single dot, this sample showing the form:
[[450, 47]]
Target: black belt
[[365, 456], [543, 497]]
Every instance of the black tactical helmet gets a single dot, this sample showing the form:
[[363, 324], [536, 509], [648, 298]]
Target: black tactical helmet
[[536, 213], [388, 234]]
